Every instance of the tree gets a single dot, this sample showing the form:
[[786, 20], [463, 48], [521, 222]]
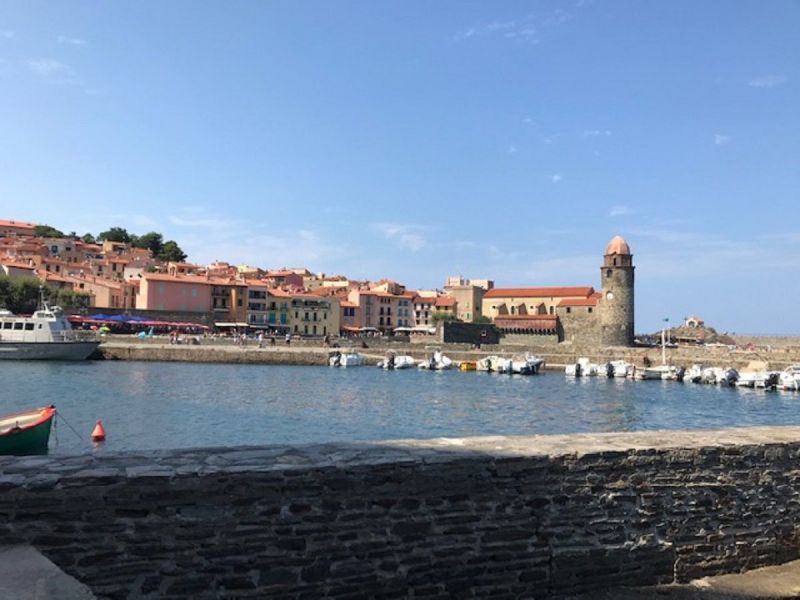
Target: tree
[[88, 238], [153, 241], [47, 231], [439, 316], [115, 234], [172, 252], [481, 319], [19, 294], [67, 298]]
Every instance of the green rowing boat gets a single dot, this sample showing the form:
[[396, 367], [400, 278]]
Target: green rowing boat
[[26, 432]]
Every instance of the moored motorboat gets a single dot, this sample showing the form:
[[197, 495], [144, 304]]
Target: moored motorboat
[[26, 432], [468, 365], [664, 372], [530, 365], [393, 362], [494, 364], [437, 362], [345, 359], [45, 335], [694, 374], [619, 368], [789, 378]]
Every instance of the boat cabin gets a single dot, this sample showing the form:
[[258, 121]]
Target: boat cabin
[[45, 325]]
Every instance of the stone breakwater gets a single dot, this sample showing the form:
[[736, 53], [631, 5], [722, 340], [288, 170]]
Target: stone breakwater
[[306, 353], [507, 517]]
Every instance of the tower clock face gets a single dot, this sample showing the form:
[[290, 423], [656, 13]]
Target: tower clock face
[[610, 296]]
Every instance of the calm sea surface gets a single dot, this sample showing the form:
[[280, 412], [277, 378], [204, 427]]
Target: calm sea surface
[[147, 405]]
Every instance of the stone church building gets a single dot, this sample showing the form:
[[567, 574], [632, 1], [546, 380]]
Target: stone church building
[[571, 314]]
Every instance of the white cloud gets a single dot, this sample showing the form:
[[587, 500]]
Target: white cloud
[[512, 149], [555, 178], [51, 70], [721, 140], [407, 236], [767, 81], [524, 29], [597, 132], [529, 121], [62, 39], [7, 35], [619, 210]]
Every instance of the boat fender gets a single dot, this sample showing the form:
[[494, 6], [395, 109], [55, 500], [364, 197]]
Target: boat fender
[[99, 432]]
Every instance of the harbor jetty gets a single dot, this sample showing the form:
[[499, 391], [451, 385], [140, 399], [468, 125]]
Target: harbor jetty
[[313, 352]]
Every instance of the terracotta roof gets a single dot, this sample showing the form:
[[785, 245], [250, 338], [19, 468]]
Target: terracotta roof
[[618, 245], [197, 279], [424, 300], [590, 301], [279, 293], [445, 301], [18, 224], [541, 292], [544, 323], [17, 265]]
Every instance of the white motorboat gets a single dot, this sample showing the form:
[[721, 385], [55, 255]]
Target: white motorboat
[[588, 369], [711, 375], [530, 365], [664, 372], [349, 358], [392, 362], [748, 379], [728, 377], [573, 370], [694, 374], [619, 368], [437, 362], [582, 368], [789, 378], [45, 335], [494, 364]]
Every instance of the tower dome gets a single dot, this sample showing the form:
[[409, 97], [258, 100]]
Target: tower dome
[[618, 245]]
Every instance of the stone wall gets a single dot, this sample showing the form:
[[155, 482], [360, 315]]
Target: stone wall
[[456, 332], [509, 517], [581, 326]]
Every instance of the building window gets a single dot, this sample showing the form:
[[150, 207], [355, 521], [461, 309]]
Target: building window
[[569, 310], [608, 272], [590, 309], [551, 309]]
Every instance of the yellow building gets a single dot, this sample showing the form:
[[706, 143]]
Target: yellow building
[[529, 301]]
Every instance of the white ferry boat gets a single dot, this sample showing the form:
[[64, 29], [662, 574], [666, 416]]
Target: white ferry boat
[[45, 335]]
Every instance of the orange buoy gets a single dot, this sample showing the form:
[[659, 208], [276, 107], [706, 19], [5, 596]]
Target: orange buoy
[[99, 433]]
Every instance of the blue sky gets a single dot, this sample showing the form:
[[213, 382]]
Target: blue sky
[[415, 140]]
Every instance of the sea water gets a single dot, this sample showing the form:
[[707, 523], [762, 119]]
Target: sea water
[[150, 405]]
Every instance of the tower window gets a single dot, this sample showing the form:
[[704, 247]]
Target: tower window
[[590, 309], [615, 261], [608, 272]]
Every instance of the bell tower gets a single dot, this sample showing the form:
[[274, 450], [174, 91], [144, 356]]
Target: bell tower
[[616, 304]]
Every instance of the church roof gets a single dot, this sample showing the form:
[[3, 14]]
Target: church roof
[[541, 292], [618, 245]]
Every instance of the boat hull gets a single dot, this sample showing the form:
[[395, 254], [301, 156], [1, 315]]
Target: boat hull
[[28, 440], [47, 350]]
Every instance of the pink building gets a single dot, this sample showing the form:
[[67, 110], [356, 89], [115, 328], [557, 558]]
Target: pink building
[[381, 310], [189, 293]]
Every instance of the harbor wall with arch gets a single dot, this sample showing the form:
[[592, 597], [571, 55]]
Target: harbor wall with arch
[[511, 516]]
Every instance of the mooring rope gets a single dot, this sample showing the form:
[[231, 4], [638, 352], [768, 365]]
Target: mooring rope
[[61, 417]]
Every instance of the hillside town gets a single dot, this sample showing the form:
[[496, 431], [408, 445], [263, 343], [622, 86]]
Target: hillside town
[[122, 278]]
